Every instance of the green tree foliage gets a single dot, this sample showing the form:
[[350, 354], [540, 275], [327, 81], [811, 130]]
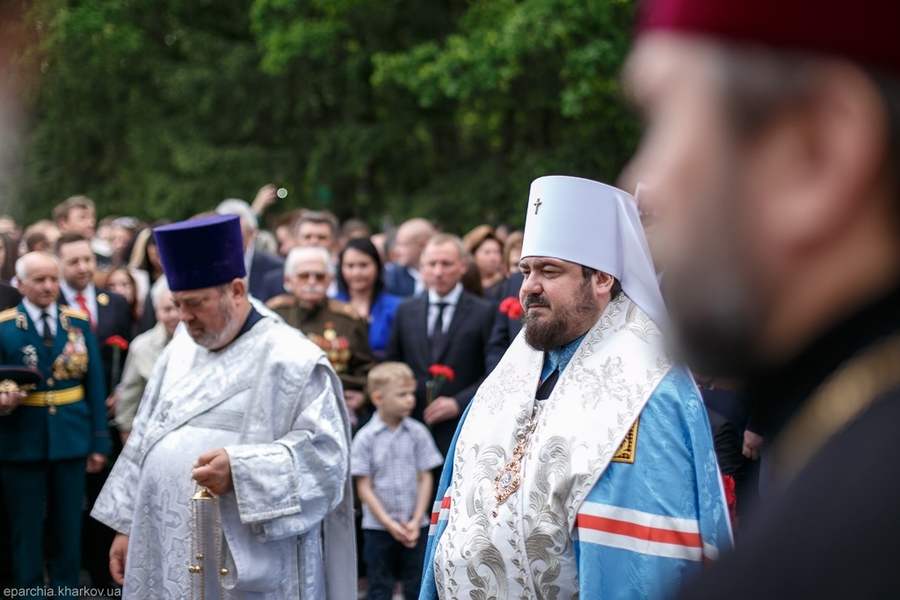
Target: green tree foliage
[[393, 108]]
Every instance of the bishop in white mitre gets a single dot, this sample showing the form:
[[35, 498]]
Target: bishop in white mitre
[[584, 466]]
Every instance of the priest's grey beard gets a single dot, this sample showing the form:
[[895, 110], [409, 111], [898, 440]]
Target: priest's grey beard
[[214, 340], [563, 324]]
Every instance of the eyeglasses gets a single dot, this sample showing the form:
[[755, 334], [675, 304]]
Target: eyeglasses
[[311, 276]]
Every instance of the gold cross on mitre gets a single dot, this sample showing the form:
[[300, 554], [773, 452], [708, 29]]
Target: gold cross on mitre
[[537, 205]]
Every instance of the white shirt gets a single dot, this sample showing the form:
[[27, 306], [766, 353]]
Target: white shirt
[[450, 300], [90, 296], [35, 313], [419, 286]]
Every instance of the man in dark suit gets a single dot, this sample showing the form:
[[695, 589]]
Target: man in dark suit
[[505, 327], [109, 312], [446, 326], [110, 316], [49, 437], [265, 271], [402, 278]]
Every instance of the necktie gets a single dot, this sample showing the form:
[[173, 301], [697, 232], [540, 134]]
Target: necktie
[[83, 305], [47, 335], [437, 333]]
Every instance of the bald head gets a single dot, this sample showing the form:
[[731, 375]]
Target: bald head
[[411, 239]]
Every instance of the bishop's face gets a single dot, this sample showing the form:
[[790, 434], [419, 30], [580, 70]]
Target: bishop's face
[[560, 303]]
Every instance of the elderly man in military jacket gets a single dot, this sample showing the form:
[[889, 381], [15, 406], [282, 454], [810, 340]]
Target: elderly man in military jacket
[[51, 436], [332, 325]]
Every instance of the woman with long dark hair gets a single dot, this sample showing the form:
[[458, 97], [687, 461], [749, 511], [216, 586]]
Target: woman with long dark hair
[[361, 284]]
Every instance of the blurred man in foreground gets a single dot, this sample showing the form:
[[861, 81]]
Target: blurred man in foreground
[[773, 151]]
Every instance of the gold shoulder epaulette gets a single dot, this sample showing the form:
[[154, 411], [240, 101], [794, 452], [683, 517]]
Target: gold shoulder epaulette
[[9, 314], [343, 308], [74, 312], [281, 301]]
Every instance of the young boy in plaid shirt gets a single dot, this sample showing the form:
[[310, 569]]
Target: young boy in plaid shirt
[[391, 459]]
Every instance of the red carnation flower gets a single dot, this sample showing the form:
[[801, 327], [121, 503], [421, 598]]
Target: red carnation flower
[[512, 308], [444, 371], [117, 341], [730, 499]]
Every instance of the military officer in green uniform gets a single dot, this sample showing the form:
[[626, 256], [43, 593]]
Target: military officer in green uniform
[[332, 325], [52, 435]]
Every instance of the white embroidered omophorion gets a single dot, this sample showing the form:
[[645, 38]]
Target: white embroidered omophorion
[[526, 550]]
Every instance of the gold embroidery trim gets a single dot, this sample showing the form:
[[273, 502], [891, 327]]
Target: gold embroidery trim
[[628, 449], [841, 399]]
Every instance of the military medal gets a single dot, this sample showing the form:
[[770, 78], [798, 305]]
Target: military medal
[[508, 478], [200, 501]]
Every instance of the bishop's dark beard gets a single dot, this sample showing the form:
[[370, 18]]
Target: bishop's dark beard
[[561, 325]]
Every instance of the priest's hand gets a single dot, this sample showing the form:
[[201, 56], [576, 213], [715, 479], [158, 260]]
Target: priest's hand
[[95, 463], [441, 409], [117, 553], [213, 471]]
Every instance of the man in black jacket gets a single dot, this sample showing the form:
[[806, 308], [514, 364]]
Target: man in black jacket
[[774, 153], [445, 326]]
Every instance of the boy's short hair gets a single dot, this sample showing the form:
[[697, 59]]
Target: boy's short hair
[[388, 373]]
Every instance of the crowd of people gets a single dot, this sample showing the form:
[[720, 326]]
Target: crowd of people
[[207, 409], [342, 285]]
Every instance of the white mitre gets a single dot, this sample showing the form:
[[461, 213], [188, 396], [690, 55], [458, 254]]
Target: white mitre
[[597, 226]]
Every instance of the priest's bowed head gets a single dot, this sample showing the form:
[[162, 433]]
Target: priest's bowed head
[[583, 245], [203, 260]]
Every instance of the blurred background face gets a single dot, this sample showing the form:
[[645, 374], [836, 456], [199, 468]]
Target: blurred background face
[[78, 264], [488, 256], [167, 314], [120, 238], [41, 283], [442, 267], [309, 280], [408, 248], [703, 210], [120, 283], [286, 240], [315, 234], [81, 221], [359, 270]]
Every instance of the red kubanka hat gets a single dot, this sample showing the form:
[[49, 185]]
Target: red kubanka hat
[[864, 31]]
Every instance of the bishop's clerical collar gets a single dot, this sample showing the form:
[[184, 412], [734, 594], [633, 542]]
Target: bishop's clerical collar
[[559, 358]]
